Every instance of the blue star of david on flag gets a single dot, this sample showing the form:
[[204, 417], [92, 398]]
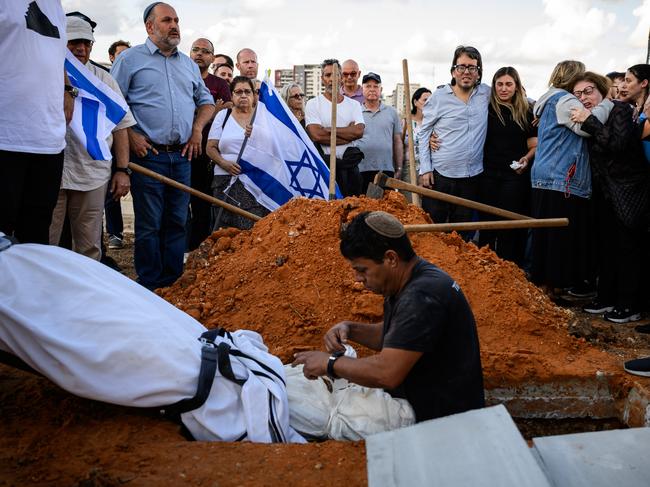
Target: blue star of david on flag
[[280, 161], [305, 177]]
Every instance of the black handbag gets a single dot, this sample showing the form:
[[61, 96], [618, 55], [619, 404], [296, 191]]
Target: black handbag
[[630, 200]]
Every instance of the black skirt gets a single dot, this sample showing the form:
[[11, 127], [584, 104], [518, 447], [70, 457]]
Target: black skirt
[[238, 196]]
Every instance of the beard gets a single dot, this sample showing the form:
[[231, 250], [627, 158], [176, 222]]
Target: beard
[[166, 39]]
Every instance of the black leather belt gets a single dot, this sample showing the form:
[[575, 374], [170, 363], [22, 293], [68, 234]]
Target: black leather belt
[[168, 147]]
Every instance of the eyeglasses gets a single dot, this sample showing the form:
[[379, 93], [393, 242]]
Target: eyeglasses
[[461, 68], [587, 91], [245, 92], [350, 74], [202, 50], [298, 96]]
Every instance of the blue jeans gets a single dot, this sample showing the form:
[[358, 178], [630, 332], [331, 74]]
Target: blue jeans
[[160, 215]]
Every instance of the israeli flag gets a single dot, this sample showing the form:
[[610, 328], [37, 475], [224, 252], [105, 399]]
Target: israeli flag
[[280, 161], [97, 109]]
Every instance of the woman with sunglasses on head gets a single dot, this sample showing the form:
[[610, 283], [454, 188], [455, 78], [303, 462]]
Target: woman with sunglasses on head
[[507, 157], [294, 97], [561, 188], [227, 134], [621, 192]]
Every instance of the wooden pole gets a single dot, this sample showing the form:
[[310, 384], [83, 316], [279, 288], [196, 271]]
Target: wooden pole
[[385, 182], [647, 56], [335, 99], [417, 201], [488, 225], [210, 199]]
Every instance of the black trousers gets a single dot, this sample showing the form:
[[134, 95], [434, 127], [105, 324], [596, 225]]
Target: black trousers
[[200, 210], [508, 193], [442, 212], [29, 188], [622, 258]]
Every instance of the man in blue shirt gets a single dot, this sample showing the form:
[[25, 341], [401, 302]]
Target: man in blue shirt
[[457, 114], [164, 89]]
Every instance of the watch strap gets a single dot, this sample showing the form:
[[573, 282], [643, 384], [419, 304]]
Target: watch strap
[[125, 170], [330, 364]]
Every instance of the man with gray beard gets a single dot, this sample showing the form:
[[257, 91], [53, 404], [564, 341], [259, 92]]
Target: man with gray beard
[[164, 89]]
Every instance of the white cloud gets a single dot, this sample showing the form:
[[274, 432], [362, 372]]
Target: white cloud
[[638, 38], [573, 29]]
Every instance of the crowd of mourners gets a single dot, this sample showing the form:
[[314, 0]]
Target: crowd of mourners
[[580, 151]]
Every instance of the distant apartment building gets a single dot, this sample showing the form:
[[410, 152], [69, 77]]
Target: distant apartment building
[[397, 98], [283, 77], [308, 76]]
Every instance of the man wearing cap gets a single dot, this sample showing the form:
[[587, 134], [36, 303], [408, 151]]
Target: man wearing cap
[[381, 143], [202, 53], [428, 349], [85, 180], [164, 89], [349, 127], [350, 77]]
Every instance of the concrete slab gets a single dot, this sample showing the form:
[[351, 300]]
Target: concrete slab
[[481, 448], [601, 459]]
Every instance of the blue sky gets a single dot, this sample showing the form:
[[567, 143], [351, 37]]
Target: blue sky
[[529, 35]]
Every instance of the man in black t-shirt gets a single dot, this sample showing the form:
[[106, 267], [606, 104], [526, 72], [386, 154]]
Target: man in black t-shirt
[[428, 344]]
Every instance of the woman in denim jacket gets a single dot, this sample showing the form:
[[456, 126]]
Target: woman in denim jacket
[[561, 186]]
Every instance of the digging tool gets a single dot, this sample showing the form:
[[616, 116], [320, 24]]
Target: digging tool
[[210, 199], [335, 99], [488, 225], [382, 181], [417, 201]]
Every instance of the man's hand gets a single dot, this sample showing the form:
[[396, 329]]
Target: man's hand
[[434, 142], [426, 180], [398, 172], [120, 185], [193, 146], [314, 363], [337, 337], [139, 144]]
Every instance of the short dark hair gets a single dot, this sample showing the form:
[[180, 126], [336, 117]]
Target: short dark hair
[[601, 83], [358, 240], [472, 53], [330, 62], [221, 65], [614, 75], [113, 48], [229, 60], [241, 79]]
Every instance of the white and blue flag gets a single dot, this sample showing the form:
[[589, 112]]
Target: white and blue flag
[[97, 110], [280, 161]]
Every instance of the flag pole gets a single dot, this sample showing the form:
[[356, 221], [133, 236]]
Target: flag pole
[[335, 99], [417, 201], [647, 57]]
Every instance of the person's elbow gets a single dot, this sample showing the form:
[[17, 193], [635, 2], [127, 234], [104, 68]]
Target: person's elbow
[[389, 379], [357, 131]]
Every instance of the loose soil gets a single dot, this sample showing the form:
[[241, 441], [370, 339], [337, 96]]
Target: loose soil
[[286, 279]]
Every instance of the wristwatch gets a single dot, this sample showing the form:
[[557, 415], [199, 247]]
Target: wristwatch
[[71, 90], [125, 170], [330, 364]]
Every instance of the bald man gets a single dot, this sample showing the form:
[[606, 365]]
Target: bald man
[[350, 76], [247, 63]]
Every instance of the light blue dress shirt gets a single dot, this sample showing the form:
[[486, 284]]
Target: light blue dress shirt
[[162, 92], [461, 127]]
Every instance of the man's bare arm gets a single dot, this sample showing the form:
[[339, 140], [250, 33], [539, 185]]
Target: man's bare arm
[[366, 334], [344, 135]]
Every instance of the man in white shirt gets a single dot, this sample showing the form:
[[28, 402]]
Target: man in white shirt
[[32, 121], [85, 180], [349, 126]]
